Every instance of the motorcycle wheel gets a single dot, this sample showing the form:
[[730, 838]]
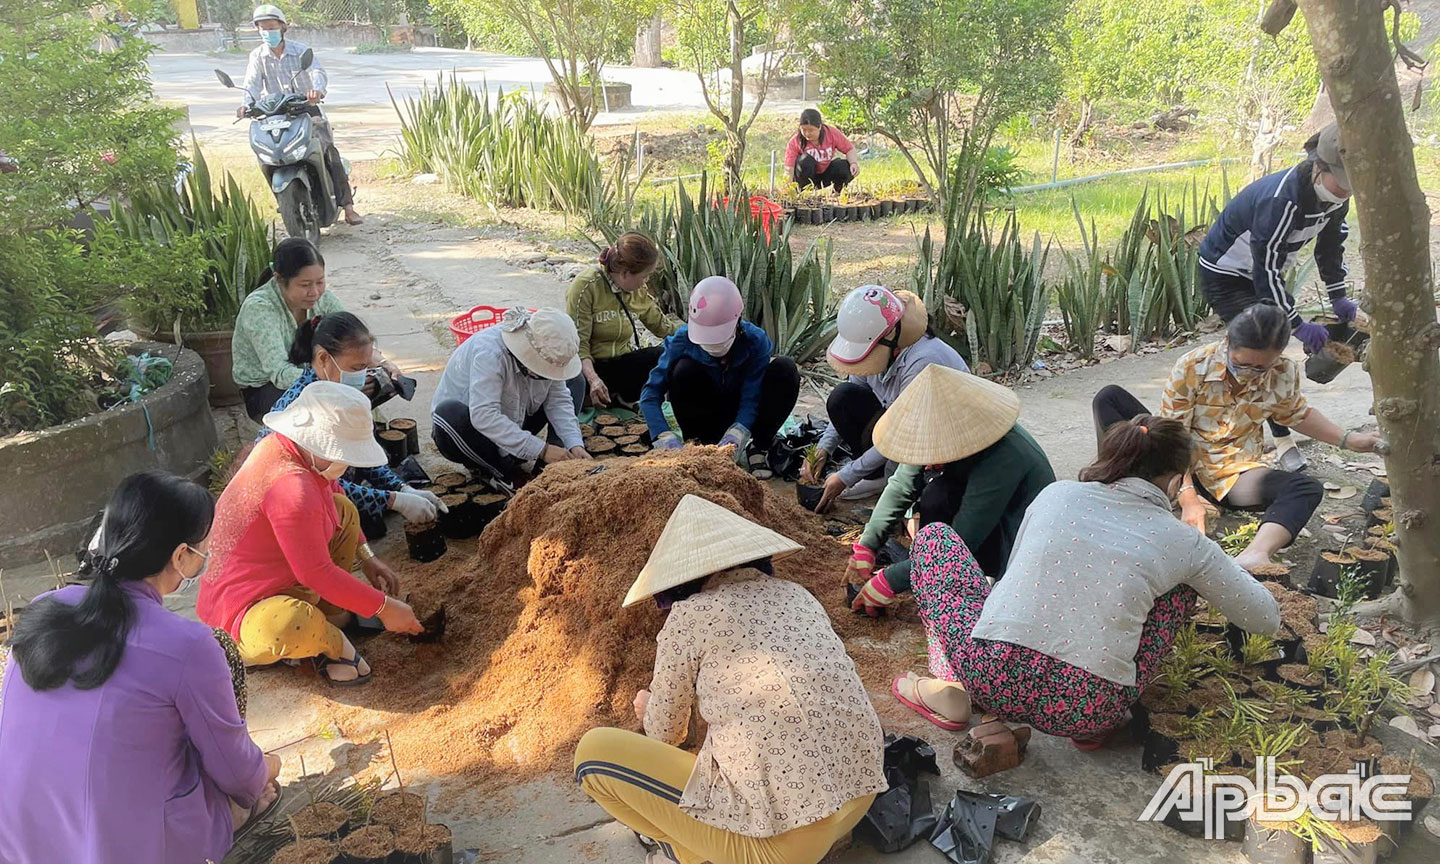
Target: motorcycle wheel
[[297, 211]]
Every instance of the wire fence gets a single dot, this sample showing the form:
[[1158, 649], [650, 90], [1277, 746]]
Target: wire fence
[[236, 13]]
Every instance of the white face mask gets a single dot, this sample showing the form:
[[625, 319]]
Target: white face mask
[[331, 473], [721, 349], [188, 582], [349, 379], [1325, 195]]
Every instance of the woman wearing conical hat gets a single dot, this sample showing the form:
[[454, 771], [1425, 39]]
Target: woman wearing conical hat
[[883, 342], [984, 470], [793, 755]]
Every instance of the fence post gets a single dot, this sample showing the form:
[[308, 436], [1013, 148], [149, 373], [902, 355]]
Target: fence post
[[772, 172], [1055, 161], [804, 78], [639, 155]]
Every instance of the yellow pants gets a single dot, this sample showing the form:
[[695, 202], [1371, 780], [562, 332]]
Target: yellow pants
[[293, 625], [638, 780]]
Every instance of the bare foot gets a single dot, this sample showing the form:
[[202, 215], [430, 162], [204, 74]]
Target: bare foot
[[353, 217], [1249, 560], [241, 816]]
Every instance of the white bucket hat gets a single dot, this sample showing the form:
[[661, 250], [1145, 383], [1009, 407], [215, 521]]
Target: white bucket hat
[[331, 420], [701, 538], [545, 340]]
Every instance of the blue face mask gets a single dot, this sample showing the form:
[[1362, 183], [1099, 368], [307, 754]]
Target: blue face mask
[[273, 38]]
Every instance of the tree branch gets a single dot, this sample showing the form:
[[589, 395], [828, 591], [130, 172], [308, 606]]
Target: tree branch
[[1408, 57]]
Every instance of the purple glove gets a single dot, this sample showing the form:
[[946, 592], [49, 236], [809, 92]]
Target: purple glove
[[669, 441], [1345, 308], [1313, 336]]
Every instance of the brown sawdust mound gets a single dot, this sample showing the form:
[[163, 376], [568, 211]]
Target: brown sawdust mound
[[537, 648]]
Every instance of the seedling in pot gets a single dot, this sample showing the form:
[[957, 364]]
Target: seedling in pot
[[1238, 540], [809, 496]]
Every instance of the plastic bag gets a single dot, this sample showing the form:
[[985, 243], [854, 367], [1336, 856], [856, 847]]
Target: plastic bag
[[966, 832], [903, 813], [787, 451]]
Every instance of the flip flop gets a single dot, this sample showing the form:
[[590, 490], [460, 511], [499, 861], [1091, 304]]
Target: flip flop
[[920, 708], [256, 817], [1089, 745], [322, 663]]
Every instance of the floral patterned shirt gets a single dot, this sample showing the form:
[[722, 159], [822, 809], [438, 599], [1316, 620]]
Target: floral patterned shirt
[[792, 734], [1227, 417]]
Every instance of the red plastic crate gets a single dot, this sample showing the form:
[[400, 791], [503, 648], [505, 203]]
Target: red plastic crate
[[469, 323]]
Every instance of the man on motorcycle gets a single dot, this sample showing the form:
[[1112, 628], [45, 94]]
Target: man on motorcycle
[[272, 66]]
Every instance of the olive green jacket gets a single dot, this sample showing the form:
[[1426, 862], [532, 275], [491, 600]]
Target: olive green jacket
[[606, 316]]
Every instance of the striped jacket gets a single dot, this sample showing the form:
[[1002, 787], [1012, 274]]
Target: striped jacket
[[1262, 229]]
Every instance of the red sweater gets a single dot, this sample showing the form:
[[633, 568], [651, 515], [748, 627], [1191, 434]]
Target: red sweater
[[286, 545], [832, 145]]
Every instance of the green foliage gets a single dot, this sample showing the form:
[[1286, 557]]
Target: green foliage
[[934, 76], [509, 154], [382, 48], [207, 223], [1238, 540], [997, 281], [52, 367], [1278, 742], [788, 297], [1350, 587], [1257, 649], [1081, 294], [81, 121], [576, 38]]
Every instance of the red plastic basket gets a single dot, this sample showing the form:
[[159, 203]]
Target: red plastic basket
[[469, 323], [764, 209]]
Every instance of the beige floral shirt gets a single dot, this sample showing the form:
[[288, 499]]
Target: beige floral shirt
[[792, 734], [1228, 417]]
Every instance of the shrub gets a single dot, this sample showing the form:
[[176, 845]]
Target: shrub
[[210, 224]]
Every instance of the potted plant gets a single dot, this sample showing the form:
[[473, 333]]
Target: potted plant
[[1353, 843], [1330, 567], [217, 224], [1284, 842], [809, 496]]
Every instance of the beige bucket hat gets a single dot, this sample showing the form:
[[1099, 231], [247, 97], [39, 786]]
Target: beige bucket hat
[[945, 415], [913, 324], [545, 340], [333, 421], [701, 538]]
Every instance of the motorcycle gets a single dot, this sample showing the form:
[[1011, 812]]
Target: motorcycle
[[283, 136]]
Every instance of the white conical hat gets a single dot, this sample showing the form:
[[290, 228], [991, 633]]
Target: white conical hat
[[701, 538], [945, 415]]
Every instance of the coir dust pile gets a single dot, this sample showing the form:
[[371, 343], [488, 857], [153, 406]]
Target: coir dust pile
[[537, 649]]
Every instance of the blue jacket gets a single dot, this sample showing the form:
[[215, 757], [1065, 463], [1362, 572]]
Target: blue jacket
[[744, 366], [1262, 228]]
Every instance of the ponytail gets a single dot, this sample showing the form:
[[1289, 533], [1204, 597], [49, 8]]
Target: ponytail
[[1145, 446], [336, 333], [633, 252], [150, 514]]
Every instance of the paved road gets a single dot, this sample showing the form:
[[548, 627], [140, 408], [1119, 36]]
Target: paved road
[[358, 100]]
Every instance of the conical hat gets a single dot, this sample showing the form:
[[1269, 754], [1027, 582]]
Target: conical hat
[[945, 415], [703, 538]]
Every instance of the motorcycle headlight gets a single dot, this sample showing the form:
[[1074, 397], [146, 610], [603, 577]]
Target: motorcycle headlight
[[267, 159]]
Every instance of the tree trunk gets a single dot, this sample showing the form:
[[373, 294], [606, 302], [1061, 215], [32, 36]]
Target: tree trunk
[[647, 42], [736, 157], [1353, 49], [1082, 128]]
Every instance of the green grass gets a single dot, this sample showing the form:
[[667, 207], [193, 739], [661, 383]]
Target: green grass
[[1111, 203]]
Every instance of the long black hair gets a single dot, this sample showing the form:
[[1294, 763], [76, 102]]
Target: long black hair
[[811, 117], [336, 333], [1262, 327], [291, 255], [150, 514]]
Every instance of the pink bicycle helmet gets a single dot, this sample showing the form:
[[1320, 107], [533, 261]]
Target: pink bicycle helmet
[[715, 310]]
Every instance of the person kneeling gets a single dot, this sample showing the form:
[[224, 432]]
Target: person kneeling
[[287, 538], [722, 382], [793, 755], [1102, 579], [502, 387]]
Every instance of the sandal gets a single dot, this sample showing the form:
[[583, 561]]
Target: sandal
[[919, 707], [1091, 744], [257, 815], [759, 466], [324, 663]]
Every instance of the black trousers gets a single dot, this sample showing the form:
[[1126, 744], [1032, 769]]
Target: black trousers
[[853, 411], [259, 400], [1229, 296], [459, 441], [808, 173], [1287, 498], [334, 165], [625, 375], [705, 407]]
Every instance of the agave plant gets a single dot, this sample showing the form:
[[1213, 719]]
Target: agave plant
[[1083, 295], [236, 238]]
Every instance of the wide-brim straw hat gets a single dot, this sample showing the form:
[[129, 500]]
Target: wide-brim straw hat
[[913, 325], [545, 341], [701, 538], [332, 421], [945, 415]]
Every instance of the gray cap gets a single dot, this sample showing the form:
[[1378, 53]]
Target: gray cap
[[1327, 148]]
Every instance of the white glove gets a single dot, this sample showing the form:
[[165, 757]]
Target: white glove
[[414, 507], [428, 496]]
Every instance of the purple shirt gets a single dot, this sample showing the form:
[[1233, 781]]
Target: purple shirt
[[138, 769]]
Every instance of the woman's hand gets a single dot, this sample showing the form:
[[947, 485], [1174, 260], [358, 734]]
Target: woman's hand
[[398, 617], [642, 701], [552, 454], [579, 453], [1366, 442], [1194, 516], [860, 565], [380, 575], [599, 393], [854, 170], [272, 767], [806, 475], [833, 487]]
